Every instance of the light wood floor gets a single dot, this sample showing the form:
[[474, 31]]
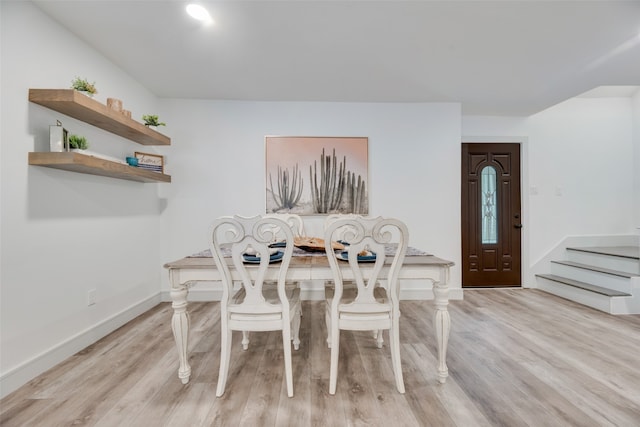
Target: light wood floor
[[517, 357]]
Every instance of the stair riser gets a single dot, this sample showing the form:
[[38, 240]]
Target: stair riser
[[627, 265], [621, 284], [590, 299]]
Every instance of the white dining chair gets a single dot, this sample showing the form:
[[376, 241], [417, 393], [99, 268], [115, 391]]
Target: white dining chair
[[295, 222], [241, 252], [368, 307], [330, 219]]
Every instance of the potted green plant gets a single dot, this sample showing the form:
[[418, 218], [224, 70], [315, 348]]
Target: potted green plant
[[152, 120], [83, 85], [77, 142]]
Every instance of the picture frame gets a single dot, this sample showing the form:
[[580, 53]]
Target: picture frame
[[152, 162], [58, 137], [317, 175]]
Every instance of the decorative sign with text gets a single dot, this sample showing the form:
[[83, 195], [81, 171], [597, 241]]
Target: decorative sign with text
[[152, 162]]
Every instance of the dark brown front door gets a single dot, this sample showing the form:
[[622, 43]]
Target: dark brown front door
[[491, 218]]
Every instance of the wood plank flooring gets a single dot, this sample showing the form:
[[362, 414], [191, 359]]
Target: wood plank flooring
[[517, 357]]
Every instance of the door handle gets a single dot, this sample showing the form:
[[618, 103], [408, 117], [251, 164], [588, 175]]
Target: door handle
[[518, 225]]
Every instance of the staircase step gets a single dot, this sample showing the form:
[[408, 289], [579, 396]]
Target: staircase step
[[598, 269], [621, 258], [632, 252], [584, 285]]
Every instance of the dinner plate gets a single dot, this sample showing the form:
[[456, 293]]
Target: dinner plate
[[344, 255], [252, 259], [278, 245]]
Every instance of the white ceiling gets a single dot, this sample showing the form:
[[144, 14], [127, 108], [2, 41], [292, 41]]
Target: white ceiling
[[506, 57]]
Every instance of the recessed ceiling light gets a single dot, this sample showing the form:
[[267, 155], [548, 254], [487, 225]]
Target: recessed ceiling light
[[198, 12]]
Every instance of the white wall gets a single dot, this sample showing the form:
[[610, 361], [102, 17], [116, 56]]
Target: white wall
[[578, 155], [65, 233], [218, 166]]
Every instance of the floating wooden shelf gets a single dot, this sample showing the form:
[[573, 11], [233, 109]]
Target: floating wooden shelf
[[79, 106], [76, 162]]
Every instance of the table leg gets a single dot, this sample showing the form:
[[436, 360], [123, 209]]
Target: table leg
[[442, 323], [180, 326]]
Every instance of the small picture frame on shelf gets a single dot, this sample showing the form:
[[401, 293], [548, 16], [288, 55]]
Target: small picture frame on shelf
[[58, 136], [152, 162]]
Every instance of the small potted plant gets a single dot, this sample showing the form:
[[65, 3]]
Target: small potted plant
[[83, 85], [152, 120], [77, 142]]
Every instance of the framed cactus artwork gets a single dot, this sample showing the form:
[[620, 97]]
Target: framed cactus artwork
[[314, 175]]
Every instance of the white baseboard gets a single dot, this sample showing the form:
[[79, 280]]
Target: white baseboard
[[25, 372]]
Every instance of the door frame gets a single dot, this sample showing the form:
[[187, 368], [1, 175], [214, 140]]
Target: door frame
[[527, 279]]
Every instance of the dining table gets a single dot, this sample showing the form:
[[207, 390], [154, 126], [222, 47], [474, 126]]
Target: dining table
[[307, 265]]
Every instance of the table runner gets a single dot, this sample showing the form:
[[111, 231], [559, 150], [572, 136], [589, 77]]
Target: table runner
[[388, 249]]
